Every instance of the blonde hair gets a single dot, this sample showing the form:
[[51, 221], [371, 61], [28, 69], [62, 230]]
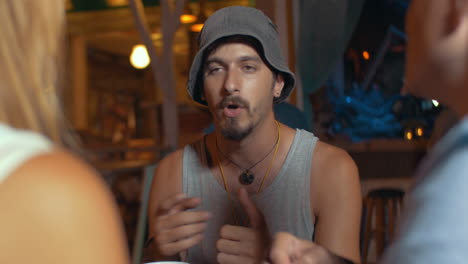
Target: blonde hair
[[30, 52]]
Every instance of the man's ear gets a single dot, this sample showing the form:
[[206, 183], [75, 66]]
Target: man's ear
[[458, 10], [279, 85], [454, 38]]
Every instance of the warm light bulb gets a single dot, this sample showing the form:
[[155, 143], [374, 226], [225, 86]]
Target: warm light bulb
[[365, 55], [196, 27], [139, 57], [409, 135], [435, 103], [187, 19], [419, 132]]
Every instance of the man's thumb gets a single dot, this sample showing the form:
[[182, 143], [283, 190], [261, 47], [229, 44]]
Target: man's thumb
[[254, 214]]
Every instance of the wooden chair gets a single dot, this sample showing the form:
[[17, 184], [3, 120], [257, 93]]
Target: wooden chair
[[382, 205]]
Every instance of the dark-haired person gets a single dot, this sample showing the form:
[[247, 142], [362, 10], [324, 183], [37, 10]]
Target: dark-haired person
[[434, 226], [222, 198]]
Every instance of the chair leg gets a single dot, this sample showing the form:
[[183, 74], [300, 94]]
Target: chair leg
[[369, 207], [401, 204], [380, 227], [391, 220]]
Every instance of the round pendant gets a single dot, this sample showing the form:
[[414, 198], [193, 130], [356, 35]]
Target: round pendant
[[246, 178]]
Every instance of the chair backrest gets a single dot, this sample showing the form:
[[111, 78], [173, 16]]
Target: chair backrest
[[143, 215], [291, 116]]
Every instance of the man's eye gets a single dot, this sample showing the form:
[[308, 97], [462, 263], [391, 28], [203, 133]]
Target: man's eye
[[214, 70], [249, 68]]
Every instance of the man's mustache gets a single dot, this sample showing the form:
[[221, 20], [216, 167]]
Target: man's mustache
[[237, 100]]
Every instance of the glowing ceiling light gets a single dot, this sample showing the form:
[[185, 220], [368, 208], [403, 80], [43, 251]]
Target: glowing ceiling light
[[435, 103], [366, 55], [187, 19], [139, 57], [196, 27]]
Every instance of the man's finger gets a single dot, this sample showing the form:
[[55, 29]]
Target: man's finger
[[254, 214], [290, 249], [180, 245], [168, 203], [236, 233], [229, 246], [184, 204], [183, 218], [181, 232], [177, 203], [282, 251], [244, 248]]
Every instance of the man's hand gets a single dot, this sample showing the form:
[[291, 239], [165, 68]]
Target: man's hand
[[288, 249], [241, 244], [177, 229]]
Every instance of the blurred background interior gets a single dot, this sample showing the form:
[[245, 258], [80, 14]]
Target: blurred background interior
[[349, 57]]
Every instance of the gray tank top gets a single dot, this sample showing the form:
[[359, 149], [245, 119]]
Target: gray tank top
[[285, 203]]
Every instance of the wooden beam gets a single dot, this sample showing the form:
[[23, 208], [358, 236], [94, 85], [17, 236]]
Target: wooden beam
[[115, 20], [120, 19], [79, 83]]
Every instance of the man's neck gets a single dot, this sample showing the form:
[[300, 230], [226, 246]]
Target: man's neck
[[248, 150]]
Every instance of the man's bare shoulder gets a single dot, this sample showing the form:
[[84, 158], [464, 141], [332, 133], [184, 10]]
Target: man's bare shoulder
[[333, 163], [334, 174], [331, 156], [170, 164], [168, 175]]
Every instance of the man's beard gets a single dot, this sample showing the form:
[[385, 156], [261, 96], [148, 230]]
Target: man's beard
[[232, 131], [230, 127]]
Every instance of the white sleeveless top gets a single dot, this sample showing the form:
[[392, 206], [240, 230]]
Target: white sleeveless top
[[18, 146]]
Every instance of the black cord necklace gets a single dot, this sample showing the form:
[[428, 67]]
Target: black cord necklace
[[246, 177]]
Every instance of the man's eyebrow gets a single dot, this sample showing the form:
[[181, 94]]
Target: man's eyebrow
[[250, 58], [240, 59], [214, 60]]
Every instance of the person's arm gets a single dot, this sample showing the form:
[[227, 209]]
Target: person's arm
[[288, 249], [55, 209], [434, 226], [336, 201], [172, 228]]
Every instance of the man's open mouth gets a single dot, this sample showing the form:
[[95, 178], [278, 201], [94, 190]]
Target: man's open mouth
[[233, 106], [232, 109]]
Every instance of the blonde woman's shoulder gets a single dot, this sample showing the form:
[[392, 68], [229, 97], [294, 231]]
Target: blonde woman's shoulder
[[55, 208]]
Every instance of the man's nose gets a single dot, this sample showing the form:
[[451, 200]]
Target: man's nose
[[231, 82]]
